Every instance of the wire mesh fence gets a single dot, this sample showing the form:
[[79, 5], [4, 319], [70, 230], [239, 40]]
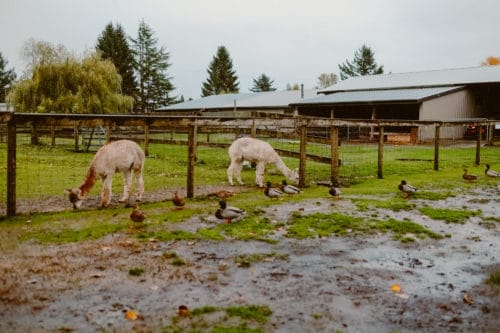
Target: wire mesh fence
[[54, 155]]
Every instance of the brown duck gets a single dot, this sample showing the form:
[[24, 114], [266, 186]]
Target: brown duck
[[137, 215], [178, 201], [469, 177]]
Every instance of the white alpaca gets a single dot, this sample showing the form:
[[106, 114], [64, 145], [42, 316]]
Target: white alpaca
[[260, 152], [123, 156]]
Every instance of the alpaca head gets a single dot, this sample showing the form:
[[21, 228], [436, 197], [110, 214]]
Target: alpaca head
[[75, 197], [294, 176]]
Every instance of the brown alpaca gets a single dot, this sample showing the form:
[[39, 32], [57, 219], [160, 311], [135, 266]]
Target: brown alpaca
[[123, 156]]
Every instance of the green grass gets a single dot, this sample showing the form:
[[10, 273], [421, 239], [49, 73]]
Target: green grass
[[45, 171], [324, 225], [448, 215], [238, 319]]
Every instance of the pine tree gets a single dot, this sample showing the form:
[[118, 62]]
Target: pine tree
[[262, 83], [113, 45], [362, 64], [7, 76], [222, 78], [151, 65]]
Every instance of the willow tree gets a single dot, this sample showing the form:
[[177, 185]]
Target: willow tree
[[91, 85]]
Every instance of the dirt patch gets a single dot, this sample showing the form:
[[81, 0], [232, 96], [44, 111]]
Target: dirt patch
[[313, 285]]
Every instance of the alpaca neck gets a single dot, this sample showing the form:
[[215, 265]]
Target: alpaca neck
[[283, 168], [89, 181]]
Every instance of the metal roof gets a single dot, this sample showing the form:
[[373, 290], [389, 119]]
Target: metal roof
[[269, 99], [415, 95], [444, 77]]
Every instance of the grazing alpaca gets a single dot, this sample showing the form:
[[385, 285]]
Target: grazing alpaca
[[123, 156], [261, 152]]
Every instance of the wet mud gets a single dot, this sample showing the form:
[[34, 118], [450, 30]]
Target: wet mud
[[324, 284]]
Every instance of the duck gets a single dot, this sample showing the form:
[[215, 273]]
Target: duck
[[222, 194], [468, 177], [406, 188], [178, 201], [335, 191], [228, 213], [137, 215], [289, 189], [491, 173], [272, 192]]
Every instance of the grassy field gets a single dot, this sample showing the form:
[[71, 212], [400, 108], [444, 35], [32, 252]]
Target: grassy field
[[44, 171]]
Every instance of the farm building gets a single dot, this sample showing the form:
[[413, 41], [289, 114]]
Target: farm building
[[450, 94], [243, 103]]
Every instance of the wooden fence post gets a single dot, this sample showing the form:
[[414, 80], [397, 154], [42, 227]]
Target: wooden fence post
[[334, 136], [191, 160], [302, 161], [146, 140], [380, 168], [52, 135], [11, 167], [253, 132], [436, 147], [491, 133], [75, 136], [478, 144]]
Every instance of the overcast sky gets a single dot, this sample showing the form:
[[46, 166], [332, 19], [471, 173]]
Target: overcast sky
[[291, 41]]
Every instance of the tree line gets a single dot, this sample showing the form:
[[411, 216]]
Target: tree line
[[126, 74]]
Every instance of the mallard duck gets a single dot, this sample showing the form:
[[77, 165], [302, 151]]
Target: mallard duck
[[178, 201], [491, 173], [228, 213], [468, 177], [289, 189], [137, 215], [335, 192], [272, 192], [406, 188]]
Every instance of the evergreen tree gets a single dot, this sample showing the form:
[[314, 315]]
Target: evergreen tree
[[362, 64], [151, 65], [113, 45], [263, 83], [222, 78], [7, 76]]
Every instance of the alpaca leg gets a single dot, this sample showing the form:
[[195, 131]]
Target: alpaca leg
[[235, 168], [107, 183], [127, 182], [140, 185], [259, 174], [230, 173], [238, 168]]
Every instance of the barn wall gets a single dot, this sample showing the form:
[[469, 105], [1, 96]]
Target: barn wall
[[457, 105]]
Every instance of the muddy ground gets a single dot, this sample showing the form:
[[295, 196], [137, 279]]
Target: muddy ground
[[318, 285]]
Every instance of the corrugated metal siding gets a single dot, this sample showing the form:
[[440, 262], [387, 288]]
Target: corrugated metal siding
[[458, 105], [444, 77]]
